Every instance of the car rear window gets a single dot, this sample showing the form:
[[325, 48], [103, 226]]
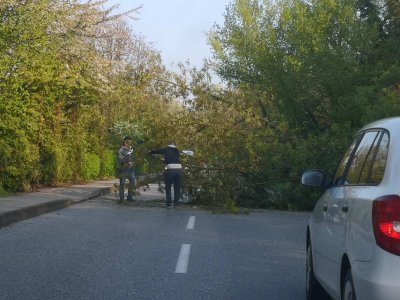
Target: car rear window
[[378, 168], [364, 162], [362, 159]]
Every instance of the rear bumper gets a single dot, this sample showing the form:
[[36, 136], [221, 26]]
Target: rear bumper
[[378, 279]]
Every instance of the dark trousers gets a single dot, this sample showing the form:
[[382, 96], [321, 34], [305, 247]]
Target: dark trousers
[[123, 175], [173, 177]]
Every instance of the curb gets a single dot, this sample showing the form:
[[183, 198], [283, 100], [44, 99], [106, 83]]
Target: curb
[[17, 215]]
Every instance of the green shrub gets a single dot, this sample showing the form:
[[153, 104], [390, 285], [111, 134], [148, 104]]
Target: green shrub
[[19, 163], [108, 164], [90, 166], [48, 165]]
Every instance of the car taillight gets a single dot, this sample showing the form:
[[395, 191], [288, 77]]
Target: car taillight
[[386, 222]]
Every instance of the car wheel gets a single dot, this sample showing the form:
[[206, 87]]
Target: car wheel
[[348, 287], [314, 290]]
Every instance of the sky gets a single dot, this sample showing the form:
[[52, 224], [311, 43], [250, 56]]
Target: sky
[[176, 28]]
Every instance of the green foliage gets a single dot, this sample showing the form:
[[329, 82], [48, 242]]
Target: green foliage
[[57, 92], [48, 165], [91, 166], [301, 76], [120, 129], [311, 73], [210, 187], [108, 164], [19, 158], [3, 193]]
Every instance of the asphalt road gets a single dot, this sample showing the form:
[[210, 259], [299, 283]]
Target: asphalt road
[[100, 250]]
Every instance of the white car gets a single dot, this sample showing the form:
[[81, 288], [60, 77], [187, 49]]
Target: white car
[[353, 235]]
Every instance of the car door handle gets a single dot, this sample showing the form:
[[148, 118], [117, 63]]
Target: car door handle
[[345, 208], [325, 207]]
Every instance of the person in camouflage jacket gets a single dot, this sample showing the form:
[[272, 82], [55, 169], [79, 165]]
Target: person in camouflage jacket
[[126, 170]]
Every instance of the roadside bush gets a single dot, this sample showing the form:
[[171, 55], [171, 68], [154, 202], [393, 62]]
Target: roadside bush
[[2, 191], [19, 163], [90, 166], [108, 164], [48, 165]]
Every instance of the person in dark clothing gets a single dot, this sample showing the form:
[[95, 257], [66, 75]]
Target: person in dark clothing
[[125, 168], [173, 172]]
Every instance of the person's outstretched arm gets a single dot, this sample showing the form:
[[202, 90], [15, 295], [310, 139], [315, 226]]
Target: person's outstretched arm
[[158, 151]]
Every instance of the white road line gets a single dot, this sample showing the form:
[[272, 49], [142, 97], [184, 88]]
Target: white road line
[[183, 259], [190, 224]]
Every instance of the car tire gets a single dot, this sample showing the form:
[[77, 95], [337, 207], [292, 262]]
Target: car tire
[[314, 290], [348, 292]]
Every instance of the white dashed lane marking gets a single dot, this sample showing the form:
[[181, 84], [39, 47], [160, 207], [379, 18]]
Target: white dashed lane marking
[[183, 259], [190, 224]]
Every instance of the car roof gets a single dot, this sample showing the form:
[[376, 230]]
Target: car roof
[[388, 123]]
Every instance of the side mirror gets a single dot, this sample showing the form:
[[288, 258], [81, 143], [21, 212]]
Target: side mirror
[[188, 152], [314, 178]]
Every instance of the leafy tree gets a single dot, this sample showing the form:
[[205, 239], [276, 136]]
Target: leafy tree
[[300, 77], [52, 78], [309, 69]]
